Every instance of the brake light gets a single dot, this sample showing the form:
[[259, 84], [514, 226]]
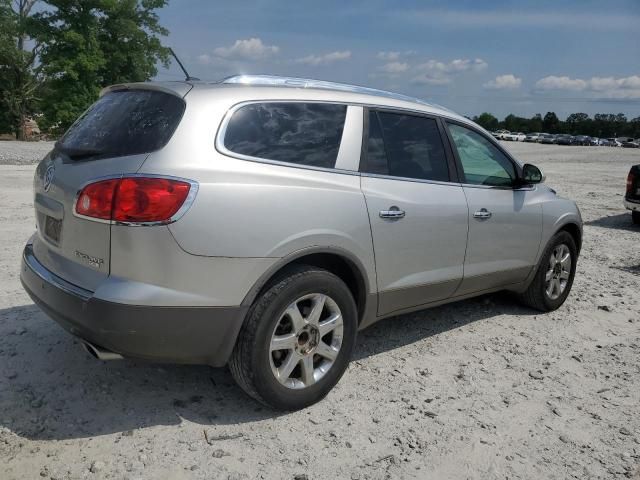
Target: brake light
[[133, 199], [96, 199], [630, 181]]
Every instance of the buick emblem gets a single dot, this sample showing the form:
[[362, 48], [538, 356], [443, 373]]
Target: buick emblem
[[48, 177]]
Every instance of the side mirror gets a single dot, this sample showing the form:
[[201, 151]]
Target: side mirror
[[532, 174]]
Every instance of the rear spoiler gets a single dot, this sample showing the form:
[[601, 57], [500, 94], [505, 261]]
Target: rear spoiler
[[178, 89]]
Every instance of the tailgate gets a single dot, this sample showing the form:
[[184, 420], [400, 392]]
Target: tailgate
[[111, 139]]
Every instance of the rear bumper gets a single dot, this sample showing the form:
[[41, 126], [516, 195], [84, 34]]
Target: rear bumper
[[196, 335], [632, 204]]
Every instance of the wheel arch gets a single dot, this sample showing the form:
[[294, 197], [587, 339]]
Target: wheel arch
[[574, 230], [336, 260]]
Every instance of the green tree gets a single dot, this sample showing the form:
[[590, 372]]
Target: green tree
[[89, 44], [634, 127], [550, 123], [487, 121], [579, 123], [19, 81], [535, 123]]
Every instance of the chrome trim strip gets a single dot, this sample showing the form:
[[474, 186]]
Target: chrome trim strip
[[37, 268], [191, 196], [408, 179], [496, 187]]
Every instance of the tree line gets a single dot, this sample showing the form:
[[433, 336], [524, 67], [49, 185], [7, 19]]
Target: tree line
[[602, 125], [56, 56]]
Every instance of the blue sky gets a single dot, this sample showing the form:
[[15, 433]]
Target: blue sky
[[471, 56]]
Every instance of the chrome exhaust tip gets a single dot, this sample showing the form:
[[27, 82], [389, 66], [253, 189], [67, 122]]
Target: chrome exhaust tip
[[101, 353]]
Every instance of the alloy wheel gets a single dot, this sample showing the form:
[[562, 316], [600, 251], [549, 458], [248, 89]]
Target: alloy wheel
[[306, 341], [559, 271]]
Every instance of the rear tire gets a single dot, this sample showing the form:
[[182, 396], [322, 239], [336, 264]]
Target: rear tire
[[635, 216], [297, 340], [554, 276]]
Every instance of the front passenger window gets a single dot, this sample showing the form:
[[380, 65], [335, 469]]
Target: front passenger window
[[482, 162]]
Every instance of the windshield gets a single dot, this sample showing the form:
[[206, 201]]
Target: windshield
[[124, 122]]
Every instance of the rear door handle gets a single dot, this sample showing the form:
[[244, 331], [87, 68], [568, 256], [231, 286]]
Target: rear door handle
[[482, 213], [393, 212]]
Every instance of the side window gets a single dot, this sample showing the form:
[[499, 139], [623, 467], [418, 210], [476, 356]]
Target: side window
[[482, 162], [376, 155], [300, 133], [412, 144]]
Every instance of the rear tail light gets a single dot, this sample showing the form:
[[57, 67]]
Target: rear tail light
[[134, 199], [630, 181]]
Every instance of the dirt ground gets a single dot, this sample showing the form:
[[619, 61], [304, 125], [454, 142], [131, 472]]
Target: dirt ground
[[479, 389]]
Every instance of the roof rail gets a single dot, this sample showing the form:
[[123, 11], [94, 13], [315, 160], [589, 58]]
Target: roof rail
[[277, 81]]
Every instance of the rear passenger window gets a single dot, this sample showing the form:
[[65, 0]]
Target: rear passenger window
[[409, 145], [299, 133]]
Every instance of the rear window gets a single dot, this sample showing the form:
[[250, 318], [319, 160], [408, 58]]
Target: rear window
[[125, 122], [299, 133]]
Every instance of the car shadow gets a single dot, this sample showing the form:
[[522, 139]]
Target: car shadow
[[50, 388], [396, 332], [622, 221]]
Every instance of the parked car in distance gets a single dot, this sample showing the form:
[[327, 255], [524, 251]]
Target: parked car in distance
[[546, 138], [564, 139], [515, 137], [532, 137], [630, 143], [632, 195], [582, 140], [604, 142], [255, 247], [499, 134], [614, 142]]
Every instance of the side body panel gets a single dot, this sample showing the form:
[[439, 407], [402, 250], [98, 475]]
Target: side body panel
[[419, 258], [503, 248]]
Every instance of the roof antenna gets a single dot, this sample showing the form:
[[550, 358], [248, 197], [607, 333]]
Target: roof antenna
[[188, 77]]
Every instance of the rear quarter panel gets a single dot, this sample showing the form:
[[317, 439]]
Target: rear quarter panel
[[253, 209]]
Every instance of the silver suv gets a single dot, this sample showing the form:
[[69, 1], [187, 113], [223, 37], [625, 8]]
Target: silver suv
[[262, 221]]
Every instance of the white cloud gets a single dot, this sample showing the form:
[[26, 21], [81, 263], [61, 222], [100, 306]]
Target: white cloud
[[434, 72], [504, 82], [204, 59], [395, 56], [429, 79], [394, 67], [457, 65], [605, 87], [325, 59], [249, 49], [560, 83]]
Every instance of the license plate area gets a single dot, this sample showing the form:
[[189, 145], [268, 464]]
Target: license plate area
[[52, 229]]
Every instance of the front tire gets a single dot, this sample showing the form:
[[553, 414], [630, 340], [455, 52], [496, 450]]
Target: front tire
[[297, 340], [554, 276]]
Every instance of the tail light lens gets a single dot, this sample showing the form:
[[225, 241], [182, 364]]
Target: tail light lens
[[630, 181], [133, 199]]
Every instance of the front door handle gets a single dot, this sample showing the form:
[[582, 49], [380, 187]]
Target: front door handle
[[482, 213], [393, 212]]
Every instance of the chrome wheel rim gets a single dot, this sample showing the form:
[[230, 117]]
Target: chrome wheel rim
[[306, 341], [558, 272]]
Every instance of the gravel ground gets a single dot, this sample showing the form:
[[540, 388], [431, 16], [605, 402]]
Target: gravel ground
[[23, 153], [478, 389]]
